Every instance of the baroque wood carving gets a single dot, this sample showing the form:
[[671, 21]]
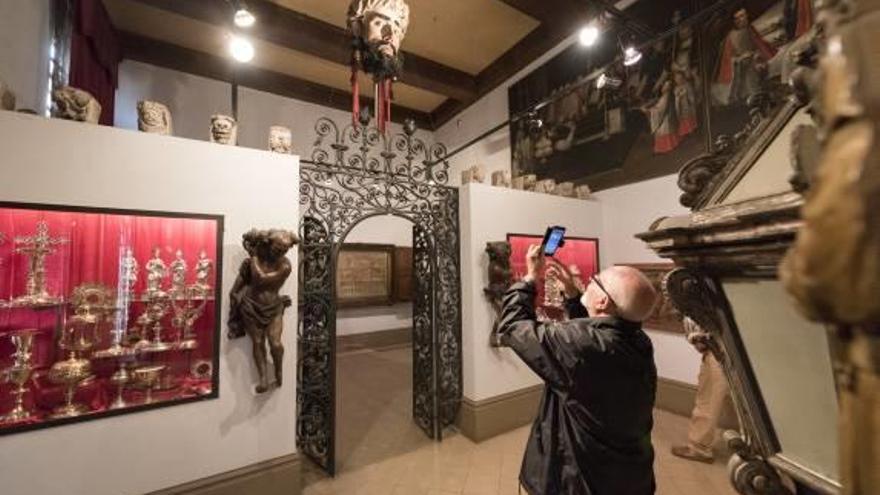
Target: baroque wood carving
[[833, 269]]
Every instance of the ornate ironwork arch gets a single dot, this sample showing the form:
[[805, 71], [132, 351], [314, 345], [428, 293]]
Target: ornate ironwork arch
[[355, 173]]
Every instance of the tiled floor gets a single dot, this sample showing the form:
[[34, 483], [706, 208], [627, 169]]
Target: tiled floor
[[381, 451]]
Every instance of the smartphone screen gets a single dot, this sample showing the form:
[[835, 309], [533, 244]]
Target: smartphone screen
[[553, 240]]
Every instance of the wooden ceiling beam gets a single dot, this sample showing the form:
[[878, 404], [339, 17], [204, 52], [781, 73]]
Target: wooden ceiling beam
[[167, 55], [290, 29]]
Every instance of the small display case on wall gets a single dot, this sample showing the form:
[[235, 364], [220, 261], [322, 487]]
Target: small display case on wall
[[105, 312]]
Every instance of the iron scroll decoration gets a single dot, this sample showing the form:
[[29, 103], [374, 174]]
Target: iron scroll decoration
[[355, 173]]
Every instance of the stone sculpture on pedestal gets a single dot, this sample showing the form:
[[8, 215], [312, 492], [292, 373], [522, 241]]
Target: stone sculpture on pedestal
[[501, 178]]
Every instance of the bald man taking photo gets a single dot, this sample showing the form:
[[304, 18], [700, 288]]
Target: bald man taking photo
[[593, 431]]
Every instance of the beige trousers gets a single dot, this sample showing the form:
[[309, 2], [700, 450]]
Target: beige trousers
[[712, 392]]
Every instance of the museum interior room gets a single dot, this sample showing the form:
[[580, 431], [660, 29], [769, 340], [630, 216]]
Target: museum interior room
[[406, 247]]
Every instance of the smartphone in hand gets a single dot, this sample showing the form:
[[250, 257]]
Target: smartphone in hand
[[554, 239]]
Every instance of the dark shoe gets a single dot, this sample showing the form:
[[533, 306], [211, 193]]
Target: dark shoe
[[685, 452]]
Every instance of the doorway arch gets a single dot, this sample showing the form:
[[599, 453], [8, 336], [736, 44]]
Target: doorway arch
[[353, 174]]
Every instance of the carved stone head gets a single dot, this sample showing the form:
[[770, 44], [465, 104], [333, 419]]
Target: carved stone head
[[379, 26], [280, 139], [529, 182], [583, 191], [154, 118], [499, 262], [501, 178], [224, 130], [565, 189], [7, 97], [75, 104], [545, 186], [473, 174]]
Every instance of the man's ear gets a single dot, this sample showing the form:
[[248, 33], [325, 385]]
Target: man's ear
[[603, 303]]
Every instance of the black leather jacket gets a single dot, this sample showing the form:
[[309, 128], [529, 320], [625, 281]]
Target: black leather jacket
[[593, 431]]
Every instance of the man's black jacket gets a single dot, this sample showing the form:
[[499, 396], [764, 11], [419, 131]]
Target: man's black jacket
[[593, 431]]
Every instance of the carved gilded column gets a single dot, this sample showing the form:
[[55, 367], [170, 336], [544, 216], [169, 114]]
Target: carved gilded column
[[833, 268]]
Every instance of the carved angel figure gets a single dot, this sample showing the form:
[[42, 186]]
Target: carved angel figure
[[75, 104], [257, 307], [154, 118]]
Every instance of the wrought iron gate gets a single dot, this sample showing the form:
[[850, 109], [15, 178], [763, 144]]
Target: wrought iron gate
[[353, 174]]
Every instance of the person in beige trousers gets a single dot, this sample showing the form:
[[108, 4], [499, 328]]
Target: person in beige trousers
[[712, 393]]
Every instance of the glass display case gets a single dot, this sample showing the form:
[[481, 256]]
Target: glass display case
[[579, 254], [105, 312]]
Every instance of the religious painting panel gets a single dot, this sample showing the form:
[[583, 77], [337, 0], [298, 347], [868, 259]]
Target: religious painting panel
[[750, 52], [104, 312], [629, 123], [365, 275], [579, 254], [665, 317]]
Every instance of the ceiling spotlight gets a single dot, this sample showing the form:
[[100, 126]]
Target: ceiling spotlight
[[241, 49], [631, 56], [610, 82], [243, 18], [589, 35]]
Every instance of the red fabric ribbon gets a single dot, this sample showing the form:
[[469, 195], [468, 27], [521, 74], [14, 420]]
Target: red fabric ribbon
[[355, 96]]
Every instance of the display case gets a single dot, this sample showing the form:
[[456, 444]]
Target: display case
[[105, 312], [579, 254]]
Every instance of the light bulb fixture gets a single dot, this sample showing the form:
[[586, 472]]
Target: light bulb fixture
[[243, 18], [241, 49], [606, 81], [589, 35], [631, 56]]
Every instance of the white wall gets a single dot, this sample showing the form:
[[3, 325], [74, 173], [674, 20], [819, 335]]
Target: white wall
[[626, 211], [142, 452], [489, 214], [25, 35], [193, 99]]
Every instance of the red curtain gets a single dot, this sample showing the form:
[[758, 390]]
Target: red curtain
[[95, 53]]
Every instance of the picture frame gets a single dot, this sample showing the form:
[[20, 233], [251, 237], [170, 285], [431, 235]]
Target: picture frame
[[365, 275]]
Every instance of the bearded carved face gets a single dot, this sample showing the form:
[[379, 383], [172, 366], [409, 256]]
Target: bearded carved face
[[76, 104], [154, 118], [280, 139], [380, 26], [224, 130]]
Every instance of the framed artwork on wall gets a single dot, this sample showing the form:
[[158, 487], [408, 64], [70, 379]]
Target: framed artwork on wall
[[580, 254], [105, 312], [665, 317], [365, 275], [689, 94]]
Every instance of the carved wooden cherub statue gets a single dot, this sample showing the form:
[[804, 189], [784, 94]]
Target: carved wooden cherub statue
[[75, 104], [257, 307], [154, 118], [224, 130], [500, 277]]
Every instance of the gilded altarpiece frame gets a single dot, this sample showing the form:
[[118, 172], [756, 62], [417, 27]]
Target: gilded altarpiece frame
[[354, 173]]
